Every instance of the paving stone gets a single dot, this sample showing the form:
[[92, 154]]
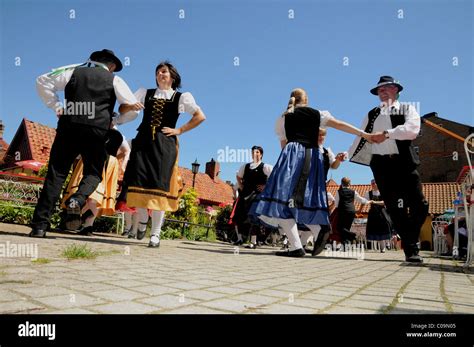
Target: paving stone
[[124, 307], [230, 305], [21, 306], [69, 301], [168, 301], [196, 310], [119, 294], [42, 291]]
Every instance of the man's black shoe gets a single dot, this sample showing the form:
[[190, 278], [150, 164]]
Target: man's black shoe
[[37, 233], [414, 259], [141, 234], [320, 243], [295, 254], [87, 231]]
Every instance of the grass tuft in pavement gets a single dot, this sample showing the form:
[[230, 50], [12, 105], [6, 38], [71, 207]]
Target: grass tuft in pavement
[[41, 261], [79, 252]]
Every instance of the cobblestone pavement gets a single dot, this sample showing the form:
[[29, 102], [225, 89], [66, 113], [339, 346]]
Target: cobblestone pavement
[[189, 277]]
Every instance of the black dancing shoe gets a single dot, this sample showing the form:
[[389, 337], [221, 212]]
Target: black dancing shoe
[[320, 243], [37, 233], [238, 242], [131, 235], [87, 231], [297, 253], [414, 259], [141, 234]]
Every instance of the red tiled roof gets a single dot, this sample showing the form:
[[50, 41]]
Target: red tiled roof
[[439, 195], [209, 191], [40, 138]]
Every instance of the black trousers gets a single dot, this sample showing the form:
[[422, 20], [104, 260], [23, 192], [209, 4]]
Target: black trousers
[[71, 140], [344, 223], [400, 188]]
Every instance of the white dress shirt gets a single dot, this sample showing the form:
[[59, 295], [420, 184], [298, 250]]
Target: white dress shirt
[[357, 198], [407, 131], [332, 157], [374, 193], [49, 84], [331, 198], [267, 169], [280, 124], [186, 103]]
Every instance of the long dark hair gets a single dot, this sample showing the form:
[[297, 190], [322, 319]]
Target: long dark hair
[[173, 72]]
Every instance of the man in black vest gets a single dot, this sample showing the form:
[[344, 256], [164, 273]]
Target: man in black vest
[[394, 162], [90, 92]]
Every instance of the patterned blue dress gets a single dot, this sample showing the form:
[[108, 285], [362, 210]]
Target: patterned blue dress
[[296, 188]]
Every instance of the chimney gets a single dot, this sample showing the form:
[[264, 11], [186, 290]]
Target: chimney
[[212, 169], [2, 128]]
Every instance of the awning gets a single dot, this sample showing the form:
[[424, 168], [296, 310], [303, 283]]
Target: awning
[[30, 164]]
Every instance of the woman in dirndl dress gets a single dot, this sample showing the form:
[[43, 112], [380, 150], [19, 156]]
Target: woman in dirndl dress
[[152, 175], [379, 224], [296, 189]]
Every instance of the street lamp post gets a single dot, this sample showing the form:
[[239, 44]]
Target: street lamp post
[[195, 170]]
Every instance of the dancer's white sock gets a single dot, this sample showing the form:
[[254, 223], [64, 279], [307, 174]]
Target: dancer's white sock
[[305, 235], [274, 238], [291, 230], [142, 218], [239, 235], [134, 223], [128, 220], [315, 229], [157, 218], [253, 239]]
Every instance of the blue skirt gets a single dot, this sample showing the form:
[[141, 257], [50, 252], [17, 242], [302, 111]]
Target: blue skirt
[[296, 189]]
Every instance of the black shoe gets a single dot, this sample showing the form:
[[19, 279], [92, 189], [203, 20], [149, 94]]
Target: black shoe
[[37, 233], [414, 259], [238, 243], [320, 243], [141, 234], [73, 221], [251, 246], [87, 231], [295, 254], [307, 250], [132, 236], [126, 232]]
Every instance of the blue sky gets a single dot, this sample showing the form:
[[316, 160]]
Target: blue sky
[[276, 54]]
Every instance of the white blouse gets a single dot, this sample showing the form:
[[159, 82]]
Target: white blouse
[[280, 124], [186, 103]]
